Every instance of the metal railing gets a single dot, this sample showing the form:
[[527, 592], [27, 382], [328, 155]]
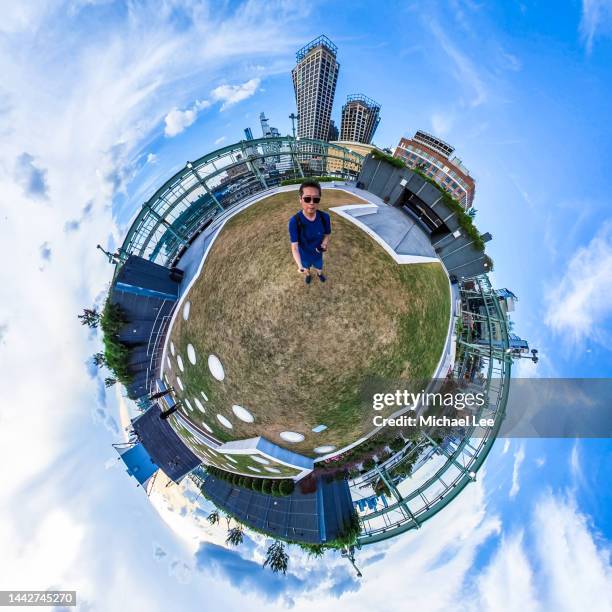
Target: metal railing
[[174, 215], [487, 367]]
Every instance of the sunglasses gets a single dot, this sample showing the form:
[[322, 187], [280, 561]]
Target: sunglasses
[[309, 199]]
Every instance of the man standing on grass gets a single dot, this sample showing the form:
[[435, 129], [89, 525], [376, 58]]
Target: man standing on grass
[[309, 232]]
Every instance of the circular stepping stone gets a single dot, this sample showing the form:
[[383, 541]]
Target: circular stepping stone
[[216, 367], [291, 436], [243, 414]]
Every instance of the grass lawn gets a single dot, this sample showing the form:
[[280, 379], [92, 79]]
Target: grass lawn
[[295, 355]]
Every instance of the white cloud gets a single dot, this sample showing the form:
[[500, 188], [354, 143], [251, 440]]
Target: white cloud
[[510, 61], [178, 120], [439, 556], [575, 570], [574, 460], [557, 564], [152, 158], [97, 92], [579, 306], [596, 14], [519, 457], [220, 140], [232, 94], [507, 582], [442, 122], [463, 69]]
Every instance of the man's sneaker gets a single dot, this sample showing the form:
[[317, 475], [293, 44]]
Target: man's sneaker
[[307, 279], [322, 278]]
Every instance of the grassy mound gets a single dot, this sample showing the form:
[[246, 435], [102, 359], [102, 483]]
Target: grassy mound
[[295, 355]]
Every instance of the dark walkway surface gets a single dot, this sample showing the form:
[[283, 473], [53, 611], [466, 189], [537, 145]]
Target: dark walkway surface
[[312, 518], [163, 444]]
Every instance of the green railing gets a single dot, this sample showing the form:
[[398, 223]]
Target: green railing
[[201, 190], [487, 368]]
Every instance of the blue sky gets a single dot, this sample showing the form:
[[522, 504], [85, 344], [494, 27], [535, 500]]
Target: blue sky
[[100, 102]]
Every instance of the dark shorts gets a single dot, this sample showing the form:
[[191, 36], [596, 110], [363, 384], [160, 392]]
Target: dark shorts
[[312, 260]]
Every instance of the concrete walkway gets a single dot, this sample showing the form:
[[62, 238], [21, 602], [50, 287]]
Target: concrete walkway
[[399, 235]]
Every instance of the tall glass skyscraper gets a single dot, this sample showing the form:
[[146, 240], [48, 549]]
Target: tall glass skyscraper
[[314, 81]]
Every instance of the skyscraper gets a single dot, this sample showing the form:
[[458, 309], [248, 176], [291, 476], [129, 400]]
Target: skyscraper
[[333, 133], [433, 157], [314, 81], [360, 118], [269, 132], [248, 133]]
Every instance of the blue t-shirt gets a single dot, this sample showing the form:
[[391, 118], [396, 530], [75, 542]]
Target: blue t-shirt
[[311, 233]]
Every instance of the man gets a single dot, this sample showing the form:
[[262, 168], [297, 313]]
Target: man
[[309, 232]]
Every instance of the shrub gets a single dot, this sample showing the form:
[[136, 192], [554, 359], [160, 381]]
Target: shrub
[[116, 354], [368, 464], [319, 179], [267, 487], [275, 488], [286, 487], [397, 444], [394, 161], [256, 484]]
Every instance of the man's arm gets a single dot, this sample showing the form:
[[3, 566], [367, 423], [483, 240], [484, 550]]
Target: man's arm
[[327, 234], [295, 251], [293, 237]]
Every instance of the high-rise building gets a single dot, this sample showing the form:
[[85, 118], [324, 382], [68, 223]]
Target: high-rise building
[[248, 133], [432, 156], [333, 133], [269, 132], [314, 81], [360, 118]]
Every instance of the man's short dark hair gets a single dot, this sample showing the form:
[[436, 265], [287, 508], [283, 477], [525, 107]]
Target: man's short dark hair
[[309, 183]]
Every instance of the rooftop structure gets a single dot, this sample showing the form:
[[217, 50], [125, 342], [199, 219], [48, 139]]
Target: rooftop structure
[[432, 157], [208, 391], [433, 143]]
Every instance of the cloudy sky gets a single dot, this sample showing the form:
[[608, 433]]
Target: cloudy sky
[[101, 101]]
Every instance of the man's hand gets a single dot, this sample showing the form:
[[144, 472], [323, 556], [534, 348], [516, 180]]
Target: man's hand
[[302, 270]]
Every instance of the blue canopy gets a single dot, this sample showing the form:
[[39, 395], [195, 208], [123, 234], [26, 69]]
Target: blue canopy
[[138, 462]]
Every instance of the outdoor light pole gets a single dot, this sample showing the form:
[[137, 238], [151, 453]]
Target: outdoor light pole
[[534, 355], [293, 117], [112, 257], [349, 553]]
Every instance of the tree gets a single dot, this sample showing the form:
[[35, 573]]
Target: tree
[[235, 536], [90, 317], [213, 517], [277, 558], [109, 382], [99, 360], [313, 550]]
